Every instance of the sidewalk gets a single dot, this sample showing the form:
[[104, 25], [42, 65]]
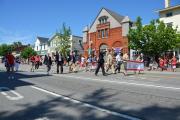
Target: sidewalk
[[26, 67], [163, 72]]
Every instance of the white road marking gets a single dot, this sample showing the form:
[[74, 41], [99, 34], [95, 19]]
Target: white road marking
[[43, 118], [16, 97], [86, 104], [126, 83]]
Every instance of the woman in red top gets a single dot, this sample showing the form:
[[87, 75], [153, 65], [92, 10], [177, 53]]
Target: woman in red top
[[174, 62], [10, 61], [161, 63]]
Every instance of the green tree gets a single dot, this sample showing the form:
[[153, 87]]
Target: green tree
[[4, 49], [16, 45], [152, 39], [63, 40], [27, 52]]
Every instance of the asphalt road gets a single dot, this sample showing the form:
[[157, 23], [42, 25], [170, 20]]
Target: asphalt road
[[84, 96]]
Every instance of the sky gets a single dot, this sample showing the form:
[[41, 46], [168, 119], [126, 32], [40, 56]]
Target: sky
[[24, 20]]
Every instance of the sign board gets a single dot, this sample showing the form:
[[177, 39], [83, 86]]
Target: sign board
[[135, 65]]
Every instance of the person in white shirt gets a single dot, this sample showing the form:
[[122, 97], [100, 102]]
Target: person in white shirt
[[119, 62]]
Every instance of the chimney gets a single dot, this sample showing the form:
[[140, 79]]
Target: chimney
[[167, 3]]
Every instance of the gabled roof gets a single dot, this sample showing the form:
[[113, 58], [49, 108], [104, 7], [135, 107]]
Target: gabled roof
[[169, 8], [43, 39], [117, 16], [51, 38]]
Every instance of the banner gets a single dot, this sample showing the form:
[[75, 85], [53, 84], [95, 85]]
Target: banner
[[135, 65]]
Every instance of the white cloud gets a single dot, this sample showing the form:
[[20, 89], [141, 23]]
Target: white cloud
[[9, 37]]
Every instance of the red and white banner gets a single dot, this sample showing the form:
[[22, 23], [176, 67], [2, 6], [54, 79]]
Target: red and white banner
[[135, 65]]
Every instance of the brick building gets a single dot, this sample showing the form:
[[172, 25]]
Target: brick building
[[108, 31]]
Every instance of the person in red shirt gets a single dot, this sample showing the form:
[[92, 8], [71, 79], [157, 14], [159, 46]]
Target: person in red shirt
[[37, 61], [174, 62], [32, 59], [161, 63], [10, 62]]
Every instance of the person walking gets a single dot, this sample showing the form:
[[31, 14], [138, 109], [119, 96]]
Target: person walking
[[32, 59], [100, 64], [109, 61], [119, 62], [59, 62], [72, 62], [174, 62], [17, 63], [125, 60], [37, 61], [139, 59], [10, 62], [48, 62], [161, 64]]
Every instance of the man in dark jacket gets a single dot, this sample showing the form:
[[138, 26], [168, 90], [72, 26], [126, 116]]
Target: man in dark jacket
[[59, 62], [48, 62], [100, 63]]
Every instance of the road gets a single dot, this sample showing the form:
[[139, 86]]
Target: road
[[84, 96]]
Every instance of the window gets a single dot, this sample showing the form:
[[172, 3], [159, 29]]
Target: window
[[106, 32], [44, 46], [37, 47], [103, 33], [99, 33], [103, 19], [169, 24], [169, 14]]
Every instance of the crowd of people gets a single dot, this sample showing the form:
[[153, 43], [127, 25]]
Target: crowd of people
[[106, 60], [165, 63]]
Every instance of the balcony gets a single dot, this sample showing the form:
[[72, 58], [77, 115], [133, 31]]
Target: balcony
[[105, 25]]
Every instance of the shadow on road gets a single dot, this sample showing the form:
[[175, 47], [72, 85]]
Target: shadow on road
[[61, 109], [12, 80]]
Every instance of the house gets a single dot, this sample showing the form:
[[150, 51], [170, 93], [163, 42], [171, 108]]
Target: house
[[170, 15], [75, 44], [108, 30], [41, 45]]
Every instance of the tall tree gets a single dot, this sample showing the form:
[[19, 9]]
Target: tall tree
[[63, 40], [152, 39], [27, 52]]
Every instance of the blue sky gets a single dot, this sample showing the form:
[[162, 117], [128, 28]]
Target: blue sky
[[25, 19]]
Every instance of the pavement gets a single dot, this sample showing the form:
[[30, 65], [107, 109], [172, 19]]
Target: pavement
[[28, 95]]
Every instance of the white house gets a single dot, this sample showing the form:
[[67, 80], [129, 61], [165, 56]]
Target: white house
[[170, 15], [76, 44], [41, 45]]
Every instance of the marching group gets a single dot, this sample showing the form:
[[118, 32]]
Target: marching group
[[106, 60]]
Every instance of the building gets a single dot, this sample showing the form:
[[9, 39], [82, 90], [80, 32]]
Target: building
[[108, 30], [170, 15], [75, 44], [41, 45]]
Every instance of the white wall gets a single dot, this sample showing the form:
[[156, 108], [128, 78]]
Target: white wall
[[175, 19], [75, 43], [38, 43]]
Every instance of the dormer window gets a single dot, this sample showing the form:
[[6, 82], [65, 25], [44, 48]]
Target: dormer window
[[169, 14], [103, 19]]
